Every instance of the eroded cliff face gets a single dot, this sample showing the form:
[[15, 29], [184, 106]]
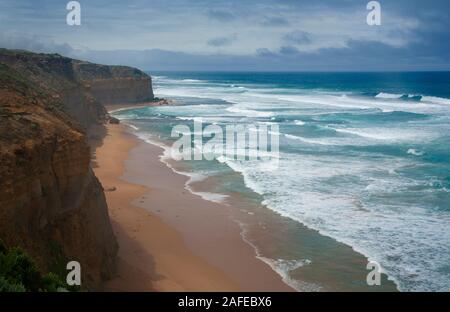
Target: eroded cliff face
[[51, 203], [82, 87], [115, 84]]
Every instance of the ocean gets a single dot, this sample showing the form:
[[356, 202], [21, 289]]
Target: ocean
[[363, 168]]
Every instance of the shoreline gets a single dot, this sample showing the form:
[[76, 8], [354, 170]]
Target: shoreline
[[165, 245], [305, 261], [112, 108]]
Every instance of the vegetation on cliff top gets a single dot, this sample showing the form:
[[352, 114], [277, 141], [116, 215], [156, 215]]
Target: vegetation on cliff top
[[12, 80], [41, 65], [19, 273]]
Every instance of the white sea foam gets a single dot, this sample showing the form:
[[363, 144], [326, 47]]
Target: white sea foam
[[415, 152], [388, 134], [308, 140], [436, 100], [403, 257], [249, 112], [383, 95], [386, 102], [285, 267], [355, 198], [423, 98], [212, 197], [370, 134], [194, 177], [282, 267], [132, 127], [196, 119], [191, 80]]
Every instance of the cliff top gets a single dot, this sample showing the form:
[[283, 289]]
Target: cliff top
[[81, 87], [91, 71], [27, 111], [71, 70]]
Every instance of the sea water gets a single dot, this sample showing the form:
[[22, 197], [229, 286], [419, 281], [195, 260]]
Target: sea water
[[364, 160]]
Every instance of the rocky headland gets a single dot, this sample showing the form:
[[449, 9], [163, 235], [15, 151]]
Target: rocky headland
[[51, 203]]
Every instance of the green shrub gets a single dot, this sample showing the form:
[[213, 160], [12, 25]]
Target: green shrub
[[18, 269], [52, 283], [19, 273]]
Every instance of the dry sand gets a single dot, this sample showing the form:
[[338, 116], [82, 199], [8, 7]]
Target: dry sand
[[170, 239]]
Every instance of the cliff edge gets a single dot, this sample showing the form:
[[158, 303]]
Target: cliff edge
[[51, 203], [115, 84], [82, 87]]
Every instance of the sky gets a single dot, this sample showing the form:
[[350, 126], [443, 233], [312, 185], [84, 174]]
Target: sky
[[244, 35]]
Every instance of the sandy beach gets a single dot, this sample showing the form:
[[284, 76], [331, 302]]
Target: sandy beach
[[169, 239]]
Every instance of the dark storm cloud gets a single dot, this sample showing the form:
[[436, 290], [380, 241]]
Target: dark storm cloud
[[269, 34]]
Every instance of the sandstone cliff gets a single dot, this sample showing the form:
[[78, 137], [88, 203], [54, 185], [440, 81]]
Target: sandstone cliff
[[82, 87], [115, 84], [51, 203]]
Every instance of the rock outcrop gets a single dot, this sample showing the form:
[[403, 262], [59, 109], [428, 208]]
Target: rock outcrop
[[51, 203], [115, 84], [82, 87]]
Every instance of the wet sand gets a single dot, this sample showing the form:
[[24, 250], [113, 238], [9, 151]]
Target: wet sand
[[170, 239]]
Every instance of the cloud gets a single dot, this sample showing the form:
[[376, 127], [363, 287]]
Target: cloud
[[221, 41], [358, 56], [221, 15], [275, 21], [186, 25], [289, 51], [250, 35], [264, 52], [298, 37], [17, 41]]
